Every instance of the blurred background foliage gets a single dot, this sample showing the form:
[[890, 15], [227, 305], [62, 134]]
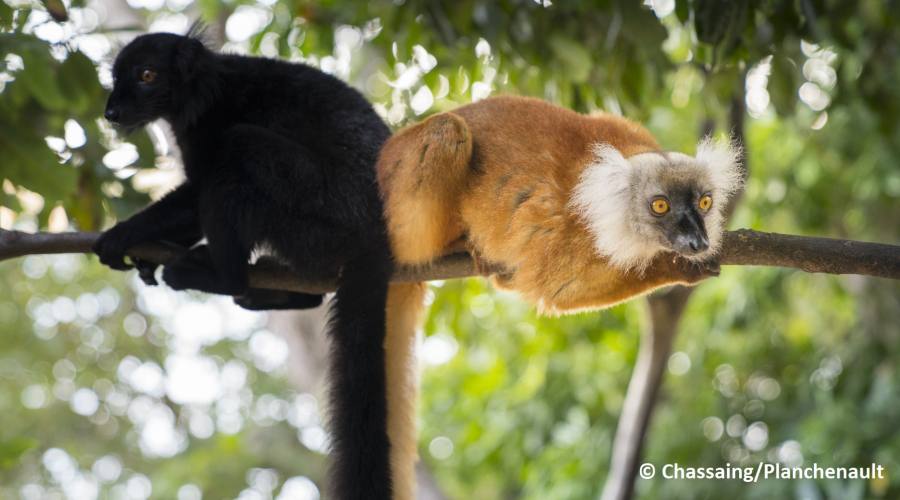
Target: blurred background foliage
[[111, 389]]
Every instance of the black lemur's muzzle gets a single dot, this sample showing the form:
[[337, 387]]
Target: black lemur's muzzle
[[111, 114]]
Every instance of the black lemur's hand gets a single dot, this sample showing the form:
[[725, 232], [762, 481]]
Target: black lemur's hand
[[173, 218], [113, 244], [146, 271]]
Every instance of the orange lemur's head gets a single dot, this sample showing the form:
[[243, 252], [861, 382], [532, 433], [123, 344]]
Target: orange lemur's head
[[653, 202]]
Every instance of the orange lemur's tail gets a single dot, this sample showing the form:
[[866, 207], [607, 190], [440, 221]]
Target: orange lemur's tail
[[404, 307], [422, 171]]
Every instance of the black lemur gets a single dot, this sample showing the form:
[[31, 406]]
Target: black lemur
[[278, 156]]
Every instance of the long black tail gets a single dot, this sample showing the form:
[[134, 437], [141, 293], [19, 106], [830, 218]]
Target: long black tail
[[360, 444]]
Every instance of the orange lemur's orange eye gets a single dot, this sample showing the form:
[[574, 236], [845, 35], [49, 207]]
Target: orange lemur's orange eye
[[659, 205], [148, 76], [705, 202]]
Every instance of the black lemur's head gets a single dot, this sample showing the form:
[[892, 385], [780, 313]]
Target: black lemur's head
[[161, 75]]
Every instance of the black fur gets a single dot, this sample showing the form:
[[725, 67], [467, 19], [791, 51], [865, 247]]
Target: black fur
[[282, 156]]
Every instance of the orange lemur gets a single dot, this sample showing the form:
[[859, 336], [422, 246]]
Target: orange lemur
[[582, 212]]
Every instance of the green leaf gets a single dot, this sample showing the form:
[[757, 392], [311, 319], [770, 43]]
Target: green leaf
[[683, 10], [11, 450], [57, 10], [39, 76], [28, 162], [9, 201], [641, 26], [574, 58], [783, 84], [79, 83], [633, 83], [711, 20], [6, 15], [209, 9]]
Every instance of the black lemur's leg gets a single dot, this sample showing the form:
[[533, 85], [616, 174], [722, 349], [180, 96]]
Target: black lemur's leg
[[175, 213], [184, 237], [261, 180], [196, 272], [264, 299], [220, 266]]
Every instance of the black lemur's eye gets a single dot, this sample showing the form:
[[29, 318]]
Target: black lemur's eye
[[148, 75]]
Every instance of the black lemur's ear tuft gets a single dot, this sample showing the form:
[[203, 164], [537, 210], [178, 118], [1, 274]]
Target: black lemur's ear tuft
[[198, 31], [198, 69], [188, 54]]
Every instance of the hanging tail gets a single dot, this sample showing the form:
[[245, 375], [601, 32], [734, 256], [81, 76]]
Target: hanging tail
[[405, 302], [360, 447]]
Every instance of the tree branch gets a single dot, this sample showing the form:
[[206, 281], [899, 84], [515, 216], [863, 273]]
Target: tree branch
[[813, 255], [741, 248]]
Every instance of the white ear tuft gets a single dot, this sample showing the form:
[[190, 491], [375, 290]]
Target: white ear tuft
[[603, 190], [723, 160], [603, 199], [612, 158]]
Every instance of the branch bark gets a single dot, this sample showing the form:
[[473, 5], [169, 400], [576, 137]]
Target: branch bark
[[743, 247]]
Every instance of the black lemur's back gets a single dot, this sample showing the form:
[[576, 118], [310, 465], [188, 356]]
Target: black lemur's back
[[283, 156], [329, 121], [332, 120]]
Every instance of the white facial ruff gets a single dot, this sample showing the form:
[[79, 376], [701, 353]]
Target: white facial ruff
[[604, 198]]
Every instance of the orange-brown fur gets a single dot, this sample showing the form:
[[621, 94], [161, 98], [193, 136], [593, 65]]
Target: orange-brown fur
[[404, 308], [499, 173]]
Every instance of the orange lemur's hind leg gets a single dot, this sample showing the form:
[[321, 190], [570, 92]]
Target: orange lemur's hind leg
[[422, 171]]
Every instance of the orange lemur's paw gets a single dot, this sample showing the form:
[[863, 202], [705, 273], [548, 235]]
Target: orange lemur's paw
[[482, 266], [500, 276], [693, 271]]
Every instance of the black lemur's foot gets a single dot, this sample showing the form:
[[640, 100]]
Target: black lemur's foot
[[260, 299], [195, 271]]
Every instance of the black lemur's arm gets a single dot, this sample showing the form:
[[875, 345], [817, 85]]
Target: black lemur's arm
[[173, 218]]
